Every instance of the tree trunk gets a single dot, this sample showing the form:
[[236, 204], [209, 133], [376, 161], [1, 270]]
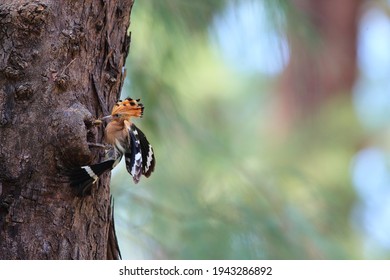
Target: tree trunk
[[60, 68], [322, 60]]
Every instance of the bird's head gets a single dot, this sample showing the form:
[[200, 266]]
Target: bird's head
[[124, 110]]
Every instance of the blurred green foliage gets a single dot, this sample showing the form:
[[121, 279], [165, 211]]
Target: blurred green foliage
[[226, 186]]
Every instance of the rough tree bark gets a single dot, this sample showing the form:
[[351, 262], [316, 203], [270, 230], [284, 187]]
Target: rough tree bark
[[61, 67]]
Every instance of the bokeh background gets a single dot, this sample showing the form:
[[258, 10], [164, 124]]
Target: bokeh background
[[270, 121]]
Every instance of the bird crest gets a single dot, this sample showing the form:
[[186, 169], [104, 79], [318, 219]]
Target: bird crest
[[129, 108]]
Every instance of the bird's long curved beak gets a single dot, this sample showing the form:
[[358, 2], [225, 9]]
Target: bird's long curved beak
[[106, 117], [99, 121]]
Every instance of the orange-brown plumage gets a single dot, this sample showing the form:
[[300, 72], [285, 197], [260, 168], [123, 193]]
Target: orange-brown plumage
[[117, 129], [128, 108]]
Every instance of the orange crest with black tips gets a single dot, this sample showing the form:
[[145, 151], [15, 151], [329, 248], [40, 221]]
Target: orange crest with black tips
[[128, 107]]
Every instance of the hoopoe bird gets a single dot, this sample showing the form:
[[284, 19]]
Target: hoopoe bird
[[127, 140]]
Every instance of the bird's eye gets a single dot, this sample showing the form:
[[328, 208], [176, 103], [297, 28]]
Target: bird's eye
[[116, 115], [132, 103]]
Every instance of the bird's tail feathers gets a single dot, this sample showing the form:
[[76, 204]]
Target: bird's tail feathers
[[82, 178]]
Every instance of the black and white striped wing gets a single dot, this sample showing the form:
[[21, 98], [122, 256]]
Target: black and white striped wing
[[140, 157], [148, 160], [133, 155]]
